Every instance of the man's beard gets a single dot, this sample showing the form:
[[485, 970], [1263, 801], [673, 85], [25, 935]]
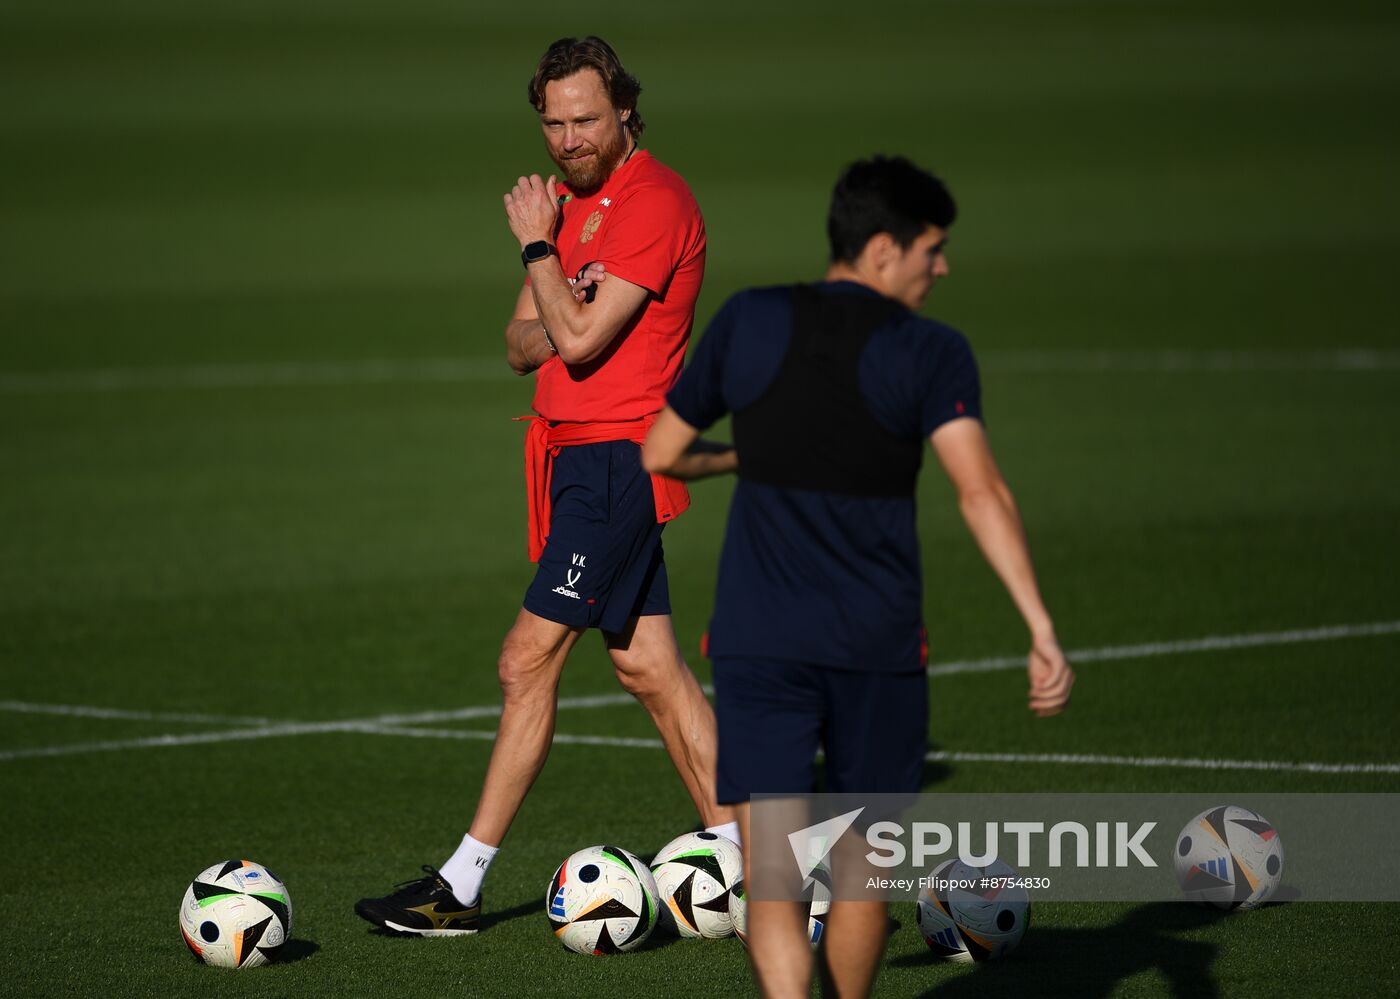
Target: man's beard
[[587, 175]]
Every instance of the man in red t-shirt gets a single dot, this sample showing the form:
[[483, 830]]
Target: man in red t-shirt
[[614, 258]]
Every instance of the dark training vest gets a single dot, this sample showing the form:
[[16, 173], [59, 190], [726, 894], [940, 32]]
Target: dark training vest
[[812, 428]]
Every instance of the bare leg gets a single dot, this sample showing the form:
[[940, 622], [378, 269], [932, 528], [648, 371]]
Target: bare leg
[[649, 666], [532, 657], [854, 943], [779, 948]]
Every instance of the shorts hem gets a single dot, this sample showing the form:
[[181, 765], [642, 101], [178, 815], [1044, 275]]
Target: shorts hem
[[551, 613]]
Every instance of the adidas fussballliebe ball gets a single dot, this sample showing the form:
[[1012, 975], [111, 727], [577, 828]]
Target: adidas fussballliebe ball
[[602, 900], [236, 914], [816, 896], [694, 874], [1229, 857], [973, 921], [739, 911]]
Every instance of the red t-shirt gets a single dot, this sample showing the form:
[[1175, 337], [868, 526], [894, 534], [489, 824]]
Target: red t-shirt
[[645, 227]]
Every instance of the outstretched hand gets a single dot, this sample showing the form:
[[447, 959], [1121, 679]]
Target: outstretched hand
[[532, 209], [1051, 676]]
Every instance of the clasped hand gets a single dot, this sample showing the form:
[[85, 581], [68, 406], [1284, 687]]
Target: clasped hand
[[532, 209]]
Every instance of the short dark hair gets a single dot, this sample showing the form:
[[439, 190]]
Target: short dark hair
[[884, 194], [568, 56]]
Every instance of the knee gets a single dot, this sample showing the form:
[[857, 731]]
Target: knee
[[632, 679], [524, 673], [641, 676]]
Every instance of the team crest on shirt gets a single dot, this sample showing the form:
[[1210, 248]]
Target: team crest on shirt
[[591, 226]]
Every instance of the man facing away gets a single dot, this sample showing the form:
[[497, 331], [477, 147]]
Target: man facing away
[[604, 352], [817, 634]]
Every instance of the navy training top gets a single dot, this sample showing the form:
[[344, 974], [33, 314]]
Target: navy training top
[[823, 566]]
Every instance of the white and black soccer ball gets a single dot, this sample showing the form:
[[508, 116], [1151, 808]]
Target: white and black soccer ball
[[236, 914], [602, 900], [977, 923], [816, 896], [694, 874], [1229, 857]]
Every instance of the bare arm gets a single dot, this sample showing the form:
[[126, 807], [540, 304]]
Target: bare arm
[[526, 345], [991, 515], [673, 448], [526, 348], [580, 330]]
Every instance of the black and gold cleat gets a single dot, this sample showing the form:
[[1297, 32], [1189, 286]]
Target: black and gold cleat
[[422, 908]]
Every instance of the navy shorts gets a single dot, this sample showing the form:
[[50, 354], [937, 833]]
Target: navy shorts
[[774, 714], [602, 563]]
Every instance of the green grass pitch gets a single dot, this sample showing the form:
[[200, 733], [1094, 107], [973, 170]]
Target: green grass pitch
[[256, 457]]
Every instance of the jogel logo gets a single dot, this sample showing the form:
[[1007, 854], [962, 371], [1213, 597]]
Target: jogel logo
[[567, 590]]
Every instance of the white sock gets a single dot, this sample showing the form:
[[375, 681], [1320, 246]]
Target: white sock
[[730, 831], [466, 869]]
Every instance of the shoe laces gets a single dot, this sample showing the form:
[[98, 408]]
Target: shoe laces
[[434, 881]]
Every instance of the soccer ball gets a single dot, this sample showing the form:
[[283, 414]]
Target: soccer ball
[[602, 900], [816, 895], [1229, 857], [739, 911], [694, 873], [972, 924], [237, 914]]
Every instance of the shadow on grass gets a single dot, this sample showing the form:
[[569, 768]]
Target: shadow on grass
[[934, 773], [488, 920], [659, 939], [1091, 962], [296, 950]]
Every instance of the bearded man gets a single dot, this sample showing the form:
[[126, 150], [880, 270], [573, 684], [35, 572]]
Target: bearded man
[[614, 256]]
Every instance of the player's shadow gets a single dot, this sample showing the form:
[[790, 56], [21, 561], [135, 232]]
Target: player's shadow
[[655, 941], [934, 772], [660, 938], [296, 950], [1091, 962], [490, 919]]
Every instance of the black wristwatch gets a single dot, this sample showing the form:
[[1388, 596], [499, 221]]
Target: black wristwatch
[[537, 251]]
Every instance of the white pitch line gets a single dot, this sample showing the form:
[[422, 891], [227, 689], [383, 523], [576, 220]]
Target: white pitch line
[[1355, 359], [1095, 759], [966, 757], [190, 739], [494, 710], [85, 711], [560, 739], [363, 727], [456, 714], [396, 724], [627, 742], [963, 757], [1111, 653], [379, 371], [1212, 643]]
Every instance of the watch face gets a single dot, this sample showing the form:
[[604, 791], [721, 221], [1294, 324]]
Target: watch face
[[537, 250]]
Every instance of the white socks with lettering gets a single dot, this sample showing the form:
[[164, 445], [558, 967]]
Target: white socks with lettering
[[466, 869]]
